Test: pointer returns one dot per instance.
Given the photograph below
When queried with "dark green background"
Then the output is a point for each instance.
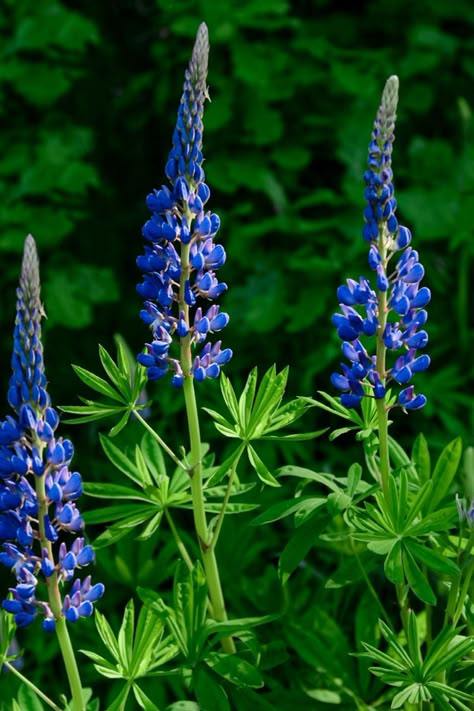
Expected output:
(88, 99)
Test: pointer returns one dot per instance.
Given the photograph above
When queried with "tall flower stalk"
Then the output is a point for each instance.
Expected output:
(180, 285)
(392, 314)
(38, 492)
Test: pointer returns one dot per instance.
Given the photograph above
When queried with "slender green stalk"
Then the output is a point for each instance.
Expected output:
(383, 418)
(55, 601)
(32, 686)
(161, 442)
(200, 523)
(179, 541)
(383, 447)
(195, 466)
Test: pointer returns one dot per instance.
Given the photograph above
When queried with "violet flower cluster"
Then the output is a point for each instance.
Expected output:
(38, 490)
(181, 258)
(393, 314)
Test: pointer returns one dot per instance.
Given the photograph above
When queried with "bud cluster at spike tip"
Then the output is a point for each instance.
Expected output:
(405, 299)
(180, 218)
(30, 449)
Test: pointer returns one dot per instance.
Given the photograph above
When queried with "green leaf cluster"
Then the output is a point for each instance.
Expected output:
(417, 679)
(256, 415)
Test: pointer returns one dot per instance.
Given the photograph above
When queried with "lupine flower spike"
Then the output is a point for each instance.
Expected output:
(392, 314)
(181, 258)
(38, 491)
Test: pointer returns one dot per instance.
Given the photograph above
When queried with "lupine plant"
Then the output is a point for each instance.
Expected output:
(408, 514)
(398, 529)
(40, 524)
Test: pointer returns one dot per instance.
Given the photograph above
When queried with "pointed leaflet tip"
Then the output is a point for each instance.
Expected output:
(200, 57)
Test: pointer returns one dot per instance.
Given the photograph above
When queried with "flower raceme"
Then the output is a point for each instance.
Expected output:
(393, 314)
(38, 490)
(181, 257)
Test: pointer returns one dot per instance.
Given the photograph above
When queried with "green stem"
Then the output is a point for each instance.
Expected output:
(161, 442)
(384, 462)
(195, 466)
(200, 523)
(32, 686)
(179, 541)
(70, 663)
(55, 601)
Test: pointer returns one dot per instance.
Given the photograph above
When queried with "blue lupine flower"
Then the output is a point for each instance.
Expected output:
(394, 312)
(30, 451)
(174, 279)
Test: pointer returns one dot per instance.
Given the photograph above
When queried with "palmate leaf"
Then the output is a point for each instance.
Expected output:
(126, 387)
(137, 650)
(401, 529)
(255, 415)
(416, 679)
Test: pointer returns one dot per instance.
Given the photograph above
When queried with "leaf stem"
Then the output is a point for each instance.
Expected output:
(160, 441)
(179, 541)
(32, 686)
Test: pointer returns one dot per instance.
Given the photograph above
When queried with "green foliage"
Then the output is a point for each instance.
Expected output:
(256, 415)
(416, 678)
(88, 99)
(138, 650)
(401, 528)
(155, 492)
(127, 385)
(195, 635)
